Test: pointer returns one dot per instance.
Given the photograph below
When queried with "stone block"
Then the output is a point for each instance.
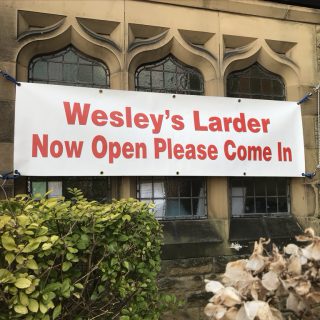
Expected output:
(7, 121)
(184, 284)
(198, 298)
(183, 314)
(6, 157)
(184, 267)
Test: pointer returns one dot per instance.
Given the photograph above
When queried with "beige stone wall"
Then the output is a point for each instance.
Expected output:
(217, 37)
(207, 35)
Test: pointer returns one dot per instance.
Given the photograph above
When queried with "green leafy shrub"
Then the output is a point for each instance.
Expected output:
(79, 260)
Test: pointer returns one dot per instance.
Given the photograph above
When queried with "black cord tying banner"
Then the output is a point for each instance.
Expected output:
(10, 175)
(9, 78)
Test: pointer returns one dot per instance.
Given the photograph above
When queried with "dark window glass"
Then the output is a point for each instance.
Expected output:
(255, 82)
(93, 188)
(174, 197)
(169, 75)
(250, 196)
(70, 67)
(183, 197)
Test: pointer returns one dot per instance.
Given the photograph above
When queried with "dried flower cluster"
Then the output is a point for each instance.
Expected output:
(270, 286)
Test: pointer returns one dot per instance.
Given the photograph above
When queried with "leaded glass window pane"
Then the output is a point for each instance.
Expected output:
(69, 67)
(169, 75)
(93, 188)
(251, 196)
(183, 197)
(255, 82)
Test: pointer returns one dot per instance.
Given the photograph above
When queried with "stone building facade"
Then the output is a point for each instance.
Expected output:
(252, 49)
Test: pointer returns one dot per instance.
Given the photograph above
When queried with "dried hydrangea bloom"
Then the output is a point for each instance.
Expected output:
(268, 285)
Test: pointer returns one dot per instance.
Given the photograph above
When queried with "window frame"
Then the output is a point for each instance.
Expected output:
(265, 196)
(63, 180)
(92, 62)
(184, 70)
(178, 198)
(252, 95)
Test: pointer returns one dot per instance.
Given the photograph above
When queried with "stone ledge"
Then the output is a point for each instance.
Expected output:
(189, 239)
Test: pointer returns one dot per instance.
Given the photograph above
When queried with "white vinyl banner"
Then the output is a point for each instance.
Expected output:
(73, 131)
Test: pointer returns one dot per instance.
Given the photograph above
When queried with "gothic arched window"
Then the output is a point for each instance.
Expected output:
(174, 197)
(255, 195)
(69, 67)
(73, 68)
(169, 75)
(255, 82)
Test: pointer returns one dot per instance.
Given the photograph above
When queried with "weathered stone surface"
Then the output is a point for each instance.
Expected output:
(6, 157)
(6, 191)
(198, 298)
(185, 314)
(185, 279)
(185, 284)
(7, 121)
(194, 231)
(183, 267)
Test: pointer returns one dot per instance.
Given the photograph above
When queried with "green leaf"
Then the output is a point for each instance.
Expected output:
(66, 288)
(6, 276)
(4, 220)
(23, 220)
(69, 256)
(124, 318)
(18, 308)
(83, 243)
(43, 230)
(20, 259)
(24, 300)
(52, 287)
(46, 246)
(66, 266)
(31, 246)
(54, 238)
(32, 264)
(33, 305)
(43, 308)
(126, 217)
(22, 283)
(79, 285)
(8, 243)
(123, 238)
(9, 257)
(72, 250)
(126, 264)
(56, 312)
